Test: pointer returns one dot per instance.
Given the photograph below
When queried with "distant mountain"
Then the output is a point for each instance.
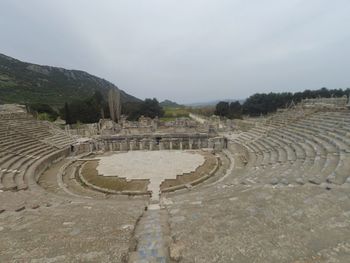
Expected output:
(22, 82)
(169, 103)
(212, 103)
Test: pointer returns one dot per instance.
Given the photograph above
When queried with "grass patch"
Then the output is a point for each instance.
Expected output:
(89, 172)
(170, 112)
(204, 169)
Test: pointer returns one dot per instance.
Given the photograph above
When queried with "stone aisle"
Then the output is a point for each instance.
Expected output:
(152, 235)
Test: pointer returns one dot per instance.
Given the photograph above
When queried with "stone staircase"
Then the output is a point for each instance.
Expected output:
(152, 236)
(23, 141)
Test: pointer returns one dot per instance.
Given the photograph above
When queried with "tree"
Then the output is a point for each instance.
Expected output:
(86, 111)
(231, 110)
(262, 103)
(235, 110)
(132, 110)
(222, 109)
(114, 104)
(48, 113)
(148, 108)
(151, 108)
(67, 114)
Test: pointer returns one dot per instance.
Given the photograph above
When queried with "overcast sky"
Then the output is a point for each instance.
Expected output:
(186, 50)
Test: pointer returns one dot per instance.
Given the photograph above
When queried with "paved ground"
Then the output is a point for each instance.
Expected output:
(69, 231)
(154, 165)
(261, 223)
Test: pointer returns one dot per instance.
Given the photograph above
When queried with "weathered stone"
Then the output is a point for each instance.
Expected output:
(300, 181)
(284, 181)
(34, 206)
(20, 208)
(68, 223)
(188, 186)
(315, 180)
(331, 178)
(274, 181)
(176, 251)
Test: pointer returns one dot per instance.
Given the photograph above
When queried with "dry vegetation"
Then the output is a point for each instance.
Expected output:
(204, 169)
(89, 172)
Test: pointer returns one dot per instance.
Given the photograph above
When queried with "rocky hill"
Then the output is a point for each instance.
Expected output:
(22, 82)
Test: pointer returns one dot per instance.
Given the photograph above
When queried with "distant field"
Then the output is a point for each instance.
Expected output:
(171, 113)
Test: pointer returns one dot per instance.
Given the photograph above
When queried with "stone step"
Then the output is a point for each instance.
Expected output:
(151, 235)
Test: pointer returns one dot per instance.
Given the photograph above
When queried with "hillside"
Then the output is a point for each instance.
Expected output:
(169, 103)
(22, 82)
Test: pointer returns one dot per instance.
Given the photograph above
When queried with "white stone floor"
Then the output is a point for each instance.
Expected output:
(154, 165)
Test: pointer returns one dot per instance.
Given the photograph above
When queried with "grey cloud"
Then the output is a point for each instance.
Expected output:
(186, 50)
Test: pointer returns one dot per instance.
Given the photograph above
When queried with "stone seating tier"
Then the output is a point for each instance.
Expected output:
(23, 142)
(314, 148)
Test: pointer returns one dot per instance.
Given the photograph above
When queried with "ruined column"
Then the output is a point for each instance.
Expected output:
(142, 144)
(124, 145)
(91, 147)
(132, 145)
(161, 145)
(170, 144)
(210, 143)
(199, 143)
(151, 145)
(218, 145)
(190, 143)
(181, 145)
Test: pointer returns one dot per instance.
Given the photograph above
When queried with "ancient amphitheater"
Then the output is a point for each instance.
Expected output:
(268, 189)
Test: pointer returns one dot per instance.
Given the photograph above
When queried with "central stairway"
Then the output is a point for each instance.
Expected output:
(152, 236)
